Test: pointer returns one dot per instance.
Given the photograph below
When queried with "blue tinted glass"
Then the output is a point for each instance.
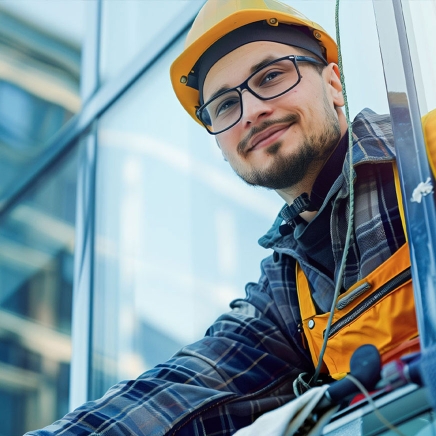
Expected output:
(176, 231)
(39, 83)
(119, 48)
(36, 276)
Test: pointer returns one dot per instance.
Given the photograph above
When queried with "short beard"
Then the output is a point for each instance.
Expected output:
(288, 170)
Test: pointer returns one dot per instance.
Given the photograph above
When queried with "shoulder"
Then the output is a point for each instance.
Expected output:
(372, 138)
(430, 118)
(367, 122)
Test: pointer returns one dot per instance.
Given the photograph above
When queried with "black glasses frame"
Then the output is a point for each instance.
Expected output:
(244, 85)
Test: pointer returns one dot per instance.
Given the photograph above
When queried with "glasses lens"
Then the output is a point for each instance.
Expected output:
(221, 112)
(274, 79)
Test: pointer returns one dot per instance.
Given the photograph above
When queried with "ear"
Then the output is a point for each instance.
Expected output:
(334, 84)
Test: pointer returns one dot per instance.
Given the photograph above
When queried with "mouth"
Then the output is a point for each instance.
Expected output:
(267, 137)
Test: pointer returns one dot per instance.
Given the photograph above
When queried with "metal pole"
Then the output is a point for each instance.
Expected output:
(412, 160)
(81, 331)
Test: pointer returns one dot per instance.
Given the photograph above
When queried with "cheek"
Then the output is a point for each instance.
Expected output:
(290, 99)
(296, 101)
(227, 141)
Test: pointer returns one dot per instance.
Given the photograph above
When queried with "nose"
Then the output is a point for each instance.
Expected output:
(254, 109)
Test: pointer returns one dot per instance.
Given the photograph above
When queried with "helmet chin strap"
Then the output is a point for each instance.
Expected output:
(301, 204)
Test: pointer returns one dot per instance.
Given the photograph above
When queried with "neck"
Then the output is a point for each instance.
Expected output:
(291, 193)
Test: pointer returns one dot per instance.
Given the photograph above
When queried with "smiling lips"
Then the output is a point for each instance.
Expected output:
(267, 136)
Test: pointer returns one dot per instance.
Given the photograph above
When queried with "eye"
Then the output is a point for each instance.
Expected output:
(270, 76)
(226, 105)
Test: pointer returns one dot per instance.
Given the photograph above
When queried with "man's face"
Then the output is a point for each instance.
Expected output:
(278, 142)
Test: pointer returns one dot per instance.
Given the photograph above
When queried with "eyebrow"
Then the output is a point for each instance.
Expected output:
(253, 69)
(262, 63)
(219, 91)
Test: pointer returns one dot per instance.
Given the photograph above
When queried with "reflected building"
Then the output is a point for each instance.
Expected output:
(123, 233)
(39, 95)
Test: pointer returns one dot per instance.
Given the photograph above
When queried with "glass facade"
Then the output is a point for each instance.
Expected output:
(37, 240)
(124, 233)
(173, 224)
(40, 66)
(39, 90)
(419, 17)
(141, 21)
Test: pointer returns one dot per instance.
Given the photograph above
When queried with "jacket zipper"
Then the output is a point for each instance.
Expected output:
(373, 299)
(345, 301)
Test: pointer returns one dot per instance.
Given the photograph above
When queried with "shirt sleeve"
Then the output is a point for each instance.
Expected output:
(243, 367)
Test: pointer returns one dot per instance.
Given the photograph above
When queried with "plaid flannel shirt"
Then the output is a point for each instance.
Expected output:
(246, 363)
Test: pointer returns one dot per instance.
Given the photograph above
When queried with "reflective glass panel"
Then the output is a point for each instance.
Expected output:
(420, 17)
(40, 54)
(130, 25)
(36, 275)
(176, 231)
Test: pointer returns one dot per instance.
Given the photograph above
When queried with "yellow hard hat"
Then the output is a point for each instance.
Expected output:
(216, 19)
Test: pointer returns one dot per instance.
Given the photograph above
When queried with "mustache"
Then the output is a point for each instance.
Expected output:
(243, 144)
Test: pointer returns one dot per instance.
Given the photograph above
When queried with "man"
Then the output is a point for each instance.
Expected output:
(263, 79)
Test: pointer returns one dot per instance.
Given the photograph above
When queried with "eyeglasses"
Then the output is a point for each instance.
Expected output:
(274, 79)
